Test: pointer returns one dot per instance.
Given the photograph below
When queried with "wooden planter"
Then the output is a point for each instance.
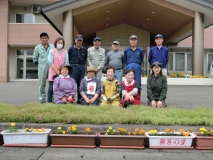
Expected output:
(68, 140)
(26, 139)
(203, 142)
(170, 142)
(121, 141)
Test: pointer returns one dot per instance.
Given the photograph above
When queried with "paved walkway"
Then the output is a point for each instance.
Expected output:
(178, 96)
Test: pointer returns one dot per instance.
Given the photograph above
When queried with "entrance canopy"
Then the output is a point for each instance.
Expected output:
(172, 18)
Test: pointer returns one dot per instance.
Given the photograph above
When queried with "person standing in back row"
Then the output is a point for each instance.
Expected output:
(159, 53)
(115, 58)
(40, 54)
(96, 57)
(133, 58)
(77, 58)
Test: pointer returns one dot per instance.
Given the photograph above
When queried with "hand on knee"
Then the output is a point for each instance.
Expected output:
(159, 104)
(64, 100)
(154, 104)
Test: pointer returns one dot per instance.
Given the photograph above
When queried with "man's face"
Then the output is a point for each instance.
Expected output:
(159, 41)
(97, 44)
(110, 74)
(115, 46)
(44, 40)
(133, 42)
(78, 42)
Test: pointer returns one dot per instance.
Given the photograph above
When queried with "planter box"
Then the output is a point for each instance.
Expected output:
(203, 142)
(121, 141)
(178, 142)
(26, 139)
(68, 140)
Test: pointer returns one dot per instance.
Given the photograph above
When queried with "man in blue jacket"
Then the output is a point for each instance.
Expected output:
(133, 58)
(159, 53)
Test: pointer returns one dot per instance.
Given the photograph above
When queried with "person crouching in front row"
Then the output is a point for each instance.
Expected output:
(64, 87)
(156, 86)
(110, 89)
(90, 88)
(129, 89)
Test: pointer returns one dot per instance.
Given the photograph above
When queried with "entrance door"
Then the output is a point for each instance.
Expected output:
(25, 66)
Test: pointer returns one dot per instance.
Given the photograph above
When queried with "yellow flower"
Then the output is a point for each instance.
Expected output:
(155, 131)
(134, 133)
(114, 130)
(59, 128)
(32, 128)
(110, 128)
(42, 129)
(202, 132)
(13, 124)
(37, 130)
(26, 129)
(211, 131)
(136, 129)
(69, 128)
(63, 132)
(128, 133)
(88, 129)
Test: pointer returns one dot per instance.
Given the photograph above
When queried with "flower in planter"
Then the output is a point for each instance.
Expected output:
(88, 130)
(12, 127)
(60, 131)
(203, 131)
(184, 133)
(139, 132)
(153, 132)
(28, 130)
(168, 132)
(211, 132)
(73, 129)
(123, 131)
(40, 130)
(110, 131)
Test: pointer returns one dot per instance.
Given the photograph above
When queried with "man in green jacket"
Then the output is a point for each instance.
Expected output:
(96, 57)
(40, 58)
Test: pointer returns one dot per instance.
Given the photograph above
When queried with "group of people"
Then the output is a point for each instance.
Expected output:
(66, 70)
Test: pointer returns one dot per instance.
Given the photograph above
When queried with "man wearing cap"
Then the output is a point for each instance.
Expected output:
(40, 54)
(159, 53)
(90, 88)
(115, 59)
(96, 57)
(133, 58)
(77, 59)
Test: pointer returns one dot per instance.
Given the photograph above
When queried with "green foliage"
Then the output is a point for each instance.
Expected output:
(74, 114)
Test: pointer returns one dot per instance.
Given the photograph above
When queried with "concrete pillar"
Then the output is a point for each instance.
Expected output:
(198, 44)
(68, 29)
(4, 54)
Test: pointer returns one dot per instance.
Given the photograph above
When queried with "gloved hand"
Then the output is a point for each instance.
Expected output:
(105, 99)
(36, 63)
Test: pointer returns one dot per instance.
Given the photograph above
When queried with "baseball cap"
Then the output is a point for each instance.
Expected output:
(44, 34)
(79, 37)
(133, 37)
(116, 42)
(96, 39)
(156, 64)
(159, 36)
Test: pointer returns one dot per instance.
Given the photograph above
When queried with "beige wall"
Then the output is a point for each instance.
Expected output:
(24, 9)
(122, 33)
(4, 11)
(28, 34)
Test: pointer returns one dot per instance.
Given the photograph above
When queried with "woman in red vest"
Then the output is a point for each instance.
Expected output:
(129, 88)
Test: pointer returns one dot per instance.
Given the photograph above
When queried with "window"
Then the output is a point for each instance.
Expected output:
(189, 62)
(170, 62)
(179, 61)
(25, 18)
(210, 60)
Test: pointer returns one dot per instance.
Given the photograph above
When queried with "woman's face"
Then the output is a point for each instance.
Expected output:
(90, 74)
(64, 71)
(156, 69)
(110, 74)
(129, 76)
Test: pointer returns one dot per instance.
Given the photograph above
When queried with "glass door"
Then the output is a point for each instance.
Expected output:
(20, 68)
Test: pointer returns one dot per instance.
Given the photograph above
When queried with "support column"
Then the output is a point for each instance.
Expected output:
(68, 29)
(198, 44)
(4, 54)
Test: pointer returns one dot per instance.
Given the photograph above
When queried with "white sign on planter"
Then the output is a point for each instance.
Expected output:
(22, 137)
(170, 141)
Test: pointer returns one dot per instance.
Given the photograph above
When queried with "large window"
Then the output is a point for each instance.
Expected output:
(210, 60)
(170, 62)
(179, 61)
(25, 18)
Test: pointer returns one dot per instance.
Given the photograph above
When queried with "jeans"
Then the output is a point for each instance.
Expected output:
(78, 74)
(50, 92)
(119, 74)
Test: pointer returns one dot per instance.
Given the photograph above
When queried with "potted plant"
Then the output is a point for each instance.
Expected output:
(122, 138)
(25, 137)
(170, 139)
(203, 139)
(72, 138)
